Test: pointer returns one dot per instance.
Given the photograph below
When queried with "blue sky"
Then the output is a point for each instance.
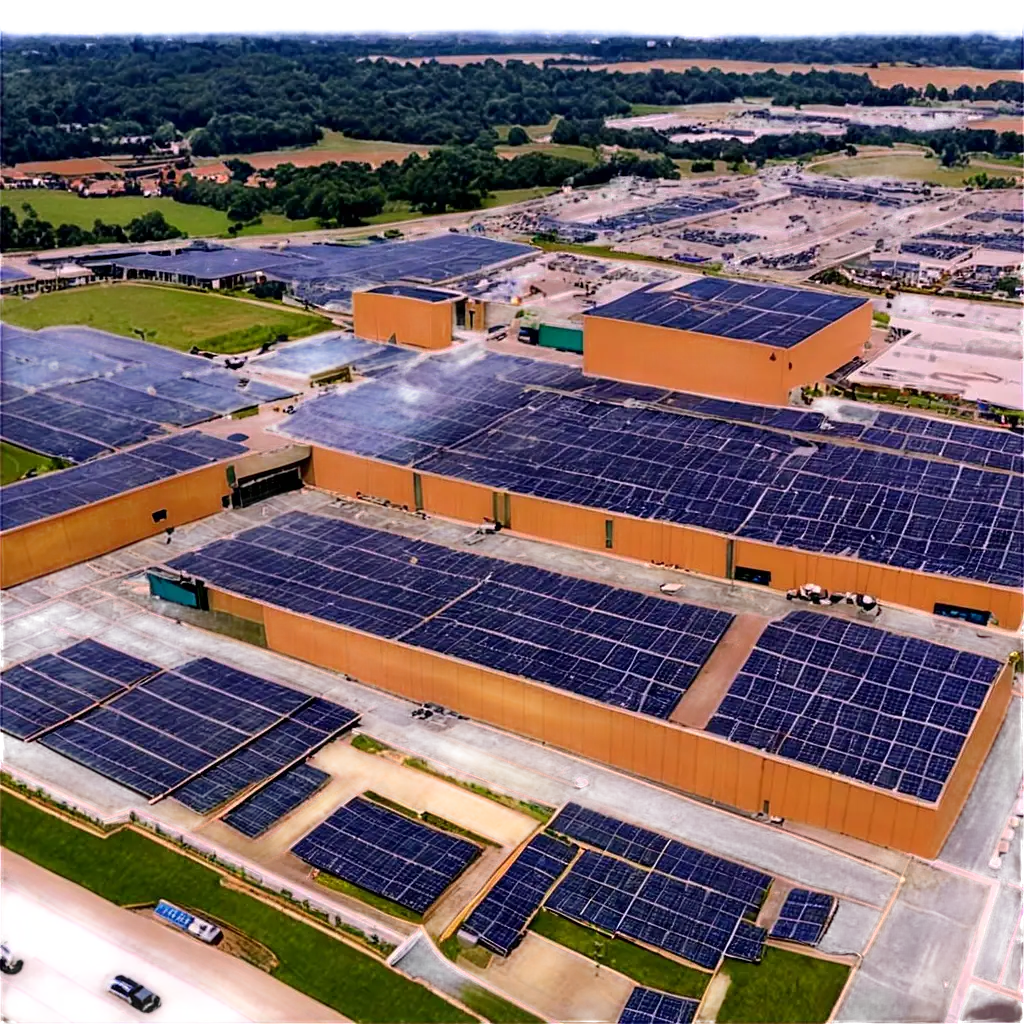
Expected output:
(661, 17)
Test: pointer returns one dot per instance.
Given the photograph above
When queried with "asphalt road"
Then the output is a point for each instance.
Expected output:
(73, 942)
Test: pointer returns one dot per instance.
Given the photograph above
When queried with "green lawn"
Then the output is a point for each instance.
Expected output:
(66, 208)
(507, 196)
(641, 965)
(369, 898)
(784, 988)
(15, 462)
(131, 868)
(535, 131)
(906, 165)
(581, 153)
(176, 317)
(492, 1007)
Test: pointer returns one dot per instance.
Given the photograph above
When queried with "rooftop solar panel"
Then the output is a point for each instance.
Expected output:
(482, 421)
(889, 711)
(778, 316)
(31, 500)
(618, 647)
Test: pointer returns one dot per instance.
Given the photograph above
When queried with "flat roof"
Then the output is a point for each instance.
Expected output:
(408, 291)
(28, 501)
(588, 638)
(599, 444)
(766, 314)
(204, 265)
(333, 351)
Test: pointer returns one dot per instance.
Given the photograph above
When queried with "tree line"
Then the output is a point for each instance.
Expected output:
(30, 231)
(72, 98)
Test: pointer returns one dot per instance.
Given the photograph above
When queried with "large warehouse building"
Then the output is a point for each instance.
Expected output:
(815, 718)
(716, 337)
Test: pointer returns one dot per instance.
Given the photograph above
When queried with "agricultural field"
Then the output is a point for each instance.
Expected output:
(175, 317)
(334, 147)
(906, 165)
(59, 207)
(15, 462)
(885, 77)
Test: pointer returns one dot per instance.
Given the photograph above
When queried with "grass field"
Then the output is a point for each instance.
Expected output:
(175, 317)
(15, 462)
(784, 988)
(535, 131)
(60, 207)
(334, 147)
(131, 868)
(906, 165)
(580, 153)
(641, 965)
(371, 899)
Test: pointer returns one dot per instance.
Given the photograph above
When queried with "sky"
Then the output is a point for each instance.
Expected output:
(693, 18)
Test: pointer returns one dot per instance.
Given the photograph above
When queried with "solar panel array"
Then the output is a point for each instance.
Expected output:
(333, 351)
(647, 1006)
(804, 916)
(387, 854)
(81, 393)
(747, 943)
(153, 730)
(328, 274)
(934, 250)
(767, 314)
(293, 739)
(688, 920)
(261, 811)
(677, 208)
(669, 856)
(851, 192)
(484, 420)
(890, 711)
(1005, 241)
(615, 646)
(53, 493)
(54, 688)
(500, 919)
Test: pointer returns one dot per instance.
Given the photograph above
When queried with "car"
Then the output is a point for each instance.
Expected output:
(10, 962)
(134, 994)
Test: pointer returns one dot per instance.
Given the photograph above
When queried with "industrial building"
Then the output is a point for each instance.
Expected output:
(724, 338)
(413, 315)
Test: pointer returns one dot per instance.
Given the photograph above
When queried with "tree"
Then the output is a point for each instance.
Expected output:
(1009, 284)
(517, 136)
(240, 170)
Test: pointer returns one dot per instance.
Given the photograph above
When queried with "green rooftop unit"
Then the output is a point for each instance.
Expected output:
(564, 339)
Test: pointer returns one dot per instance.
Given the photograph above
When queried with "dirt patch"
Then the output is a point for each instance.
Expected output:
(713, 998)
(559, 983)
(232, 942)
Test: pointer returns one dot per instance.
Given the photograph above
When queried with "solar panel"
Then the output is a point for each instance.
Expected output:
(483, 422)
(747, 943)
(387, 854)
(887, 710)
(776, 316)
(153, 730)
(804, 916)
(75, 392)
(619, 647)
(647, 1006)
(53, 493)
(500, 919)
(279, 797)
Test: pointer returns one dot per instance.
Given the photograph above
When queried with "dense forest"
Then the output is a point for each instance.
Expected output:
(65, 98)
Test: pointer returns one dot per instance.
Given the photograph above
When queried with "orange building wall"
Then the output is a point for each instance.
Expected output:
(411, 321)
(709, 365)
(665, 752)
(688, 547)
(83, 533)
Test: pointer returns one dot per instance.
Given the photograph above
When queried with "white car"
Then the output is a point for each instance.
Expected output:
(10, 962)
